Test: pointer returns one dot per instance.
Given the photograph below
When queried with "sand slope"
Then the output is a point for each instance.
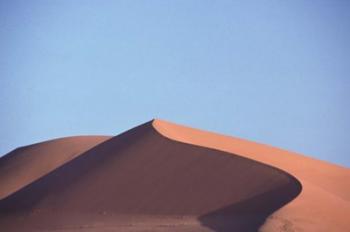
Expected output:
(141, 180)
(26, 164)
(324, 203)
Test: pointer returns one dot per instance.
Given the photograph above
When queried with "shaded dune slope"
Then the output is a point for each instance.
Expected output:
(142, 173)
(24, 165)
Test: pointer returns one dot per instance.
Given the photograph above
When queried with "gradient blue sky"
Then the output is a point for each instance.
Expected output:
(275, 72)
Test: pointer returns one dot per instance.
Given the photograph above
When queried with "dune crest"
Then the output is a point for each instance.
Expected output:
(324, 203)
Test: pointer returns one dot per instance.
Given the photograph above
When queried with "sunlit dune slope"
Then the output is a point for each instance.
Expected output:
(142, 179)
(324, 203)
(26, 164)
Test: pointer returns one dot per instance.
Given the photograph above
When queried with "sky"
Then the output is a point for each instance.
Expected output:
(275, 72)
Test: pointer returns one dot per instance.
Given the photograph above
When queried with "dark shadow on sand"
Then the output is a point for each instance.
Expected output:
(250, 214)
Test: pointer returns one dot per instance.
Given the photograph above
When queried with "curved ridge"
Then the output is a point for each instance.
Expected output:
(160, 126)
(141, 175)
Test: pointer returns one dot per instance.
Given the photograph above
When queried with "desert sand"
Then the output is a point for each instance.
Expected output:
(26, 164)
(160, 176)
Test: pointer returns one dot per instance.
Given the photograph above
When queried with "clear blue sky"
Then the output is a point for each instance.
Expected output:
(275, 72)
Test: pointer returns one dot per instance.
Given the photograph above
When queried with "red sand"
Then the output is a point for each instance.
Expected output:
(26, 164)
(164, 177)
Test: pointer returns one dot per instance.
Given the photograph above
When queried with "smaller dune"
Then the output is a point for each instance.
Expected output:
(24, 165)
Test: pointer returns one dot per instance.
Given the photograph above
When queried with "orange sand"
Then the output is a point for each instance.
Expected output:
(26, 164)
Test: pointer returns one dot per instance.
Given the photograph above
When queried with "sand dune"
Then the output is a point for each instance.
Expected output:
(26, 164)
(143, 178)
(164, 177)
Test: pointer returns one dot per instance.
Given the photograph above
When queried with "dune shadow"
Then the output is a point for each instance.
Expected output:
(250, 214)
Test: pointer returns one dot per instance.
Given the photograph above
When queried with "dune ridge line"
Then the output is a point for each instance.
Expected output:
(325, 194)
